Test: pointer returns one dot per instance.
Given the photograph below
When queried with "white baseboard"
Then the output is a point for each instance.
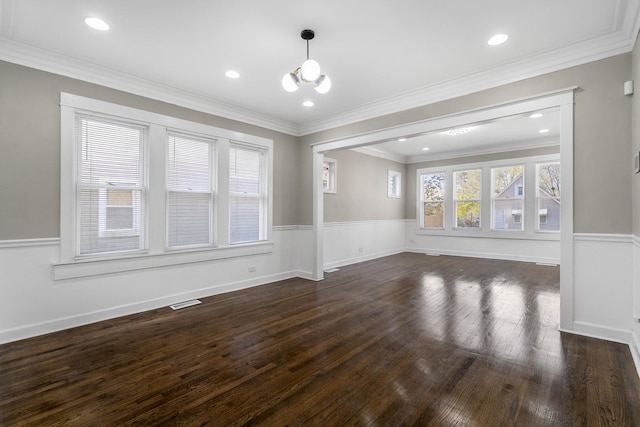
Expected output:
(600, 332)
(362, 258)
(32, 330)
(486, 255)
(634, 346)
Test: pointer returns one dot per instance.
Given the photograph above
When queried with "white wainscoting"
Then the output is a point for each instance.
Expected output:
(603, 286)
(543, 251)
(356, 241)
(32, 303)
(635, 331)
(606, 287)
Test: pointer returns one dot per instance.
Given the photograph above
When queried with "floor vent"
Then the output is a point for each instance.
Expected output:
(185, 304)
(331, 270)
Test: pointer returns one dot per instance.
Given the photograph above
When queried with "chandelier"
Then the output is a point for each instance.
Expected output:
(309, 72)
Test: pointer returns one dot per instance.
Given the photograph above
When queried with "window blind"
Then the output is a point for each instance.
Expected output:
(246, 195)
(190, 192)
(110, 186)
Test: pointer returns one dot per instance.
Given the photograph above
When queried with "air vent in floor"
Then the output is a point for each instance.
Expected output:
(184, 304)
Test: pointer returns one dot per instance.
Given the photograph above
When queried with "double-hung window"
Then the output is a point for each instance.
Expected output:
(548, 196)
(507, 194)
(247, 194)
(157, 190)
(190, 191)
(467, 198)
(433, 198)
(111, 187)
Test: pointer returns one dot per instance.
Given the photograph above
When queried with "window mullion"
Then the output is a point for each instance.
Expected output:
(530, 195)
(222, 217)
(157, 182)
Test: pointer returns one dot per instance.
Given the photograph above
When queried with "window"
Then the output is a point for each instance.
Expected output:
(140, 183)
(247, 200)
(507, 193)
(433, 194)
(190, 197)
(467, 198)
(111, 190)
(548, 196)
(394, 184)
(329, 175)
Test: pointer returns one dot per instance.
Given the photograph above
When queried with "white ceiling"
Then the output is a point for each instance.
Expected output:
(382, 56)
(506, 134)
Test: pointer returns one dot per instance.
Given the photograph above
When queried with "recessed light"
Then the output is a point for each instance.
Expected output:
(535, 115)
(459, 131)
(232, 74)
(498, 39)
(308, 103)
(543, 130)
(97, 24)
(425, 149)
(402, 139)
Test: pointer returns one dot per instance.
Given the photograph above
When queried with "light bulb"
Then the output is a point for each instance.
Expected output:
(323, 84)
(310, 70)
(290, 82)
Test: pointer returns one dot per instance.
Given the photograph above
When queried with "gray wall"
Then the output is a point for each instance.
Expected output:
(602, 124)
(362, 189)
(635, 148)
(30, 149)
(30, 124)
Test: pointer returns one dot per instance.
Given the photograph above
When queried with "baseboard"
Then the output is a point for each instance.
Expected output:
(600, 332)
(486, 255)
(362, 258)
(32, 330)
(634, 347)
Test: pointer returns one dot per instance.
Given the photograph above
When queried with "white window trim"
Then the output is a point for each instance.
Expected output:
(528, 233)
(71, 266)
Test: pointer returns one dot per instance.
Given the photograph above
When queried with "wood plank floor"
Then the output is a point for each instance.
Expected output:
(404, 340)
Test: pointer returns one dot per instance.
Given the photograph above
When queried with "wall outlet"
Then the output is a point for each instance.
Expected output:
(360, 250)
(412, 241)
(252, 268)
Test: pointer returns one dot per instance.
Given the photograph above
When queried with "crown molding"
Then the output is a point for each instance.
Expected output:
(372, 151)
(41, 59)
(569, 56)
(515, 146)
(620, 39)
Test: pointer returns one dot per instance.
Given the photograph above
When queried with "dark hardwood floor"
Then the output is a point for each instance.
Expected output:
(404, 340)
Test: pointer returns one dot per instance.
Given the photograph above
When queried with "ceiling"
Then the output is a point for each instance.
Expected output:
(381, 56)
(531, 130)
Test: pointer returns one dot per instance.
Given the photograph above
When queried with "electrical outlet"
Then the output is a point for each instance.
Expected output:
(252, 268)
(412, 241)
(360, 250)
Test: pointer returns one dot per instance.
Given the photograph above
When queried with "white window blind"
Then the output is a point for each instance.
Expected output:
(190, 196)
(111, 193)
(247, 195)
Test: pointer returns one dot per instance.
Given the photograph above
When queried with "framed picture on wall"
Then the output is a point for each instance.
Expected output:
(394, 183)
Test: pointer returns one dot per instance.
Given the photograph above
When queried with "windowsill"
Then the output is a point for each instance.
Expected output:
(492, 234)
(96, 267)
